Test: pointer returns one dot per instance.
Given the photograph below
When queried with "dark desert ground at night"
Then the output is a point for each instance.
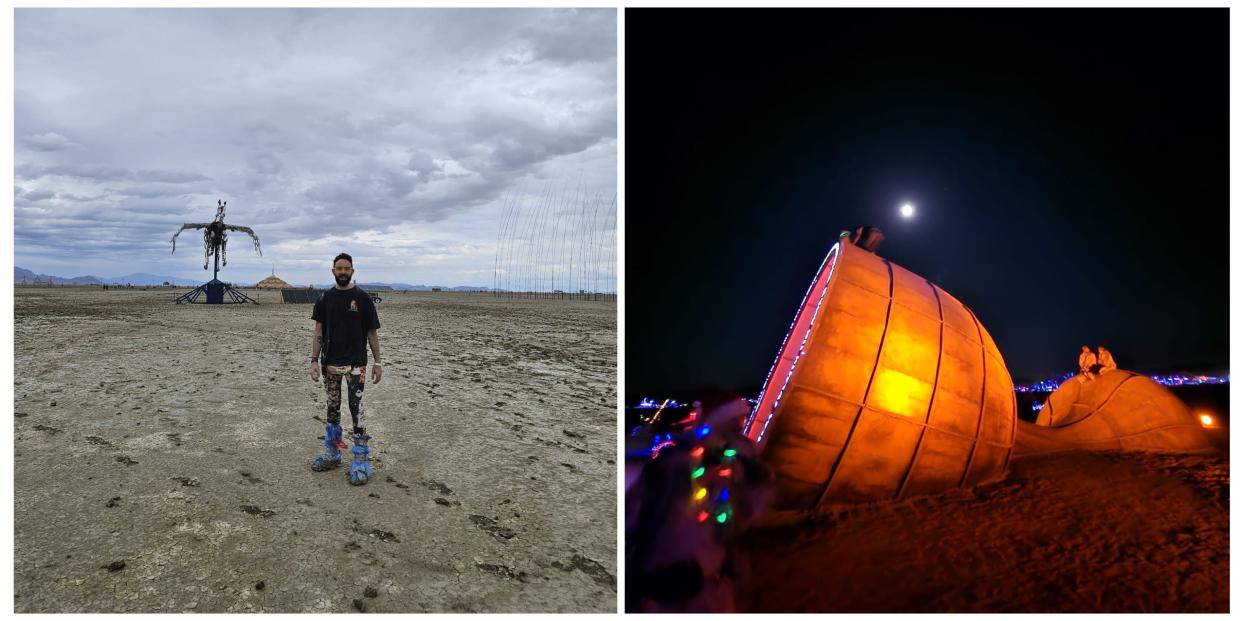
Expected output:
(176, 440)
(1073, 531)
(1076, 532)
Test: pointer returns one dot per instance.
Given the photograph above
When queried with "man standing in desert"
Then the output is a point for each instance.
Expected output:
(345, 321)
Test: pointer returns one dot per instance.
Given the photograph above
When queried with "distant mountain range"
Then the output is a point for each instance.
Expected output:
(25, 276)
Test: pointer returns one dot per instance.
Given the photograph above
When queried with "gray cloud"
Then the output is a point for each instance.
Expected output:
(104, 173)
(399, 133)
(154, 190)
(39, 195)
(50, 141)
(423, 164)
(572, 36)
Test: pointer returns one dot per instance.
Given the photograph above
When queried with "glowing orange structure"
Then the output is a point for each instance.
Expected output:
(886, 386)
(1119, 410)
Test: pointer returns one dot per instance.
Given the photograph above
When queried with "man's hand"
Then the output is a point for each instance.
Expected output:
(314, 372)
(376, 373)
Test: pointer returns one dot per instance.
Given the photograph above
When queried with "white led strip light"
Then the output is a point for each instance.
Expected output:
(801, 346)
(780, 350)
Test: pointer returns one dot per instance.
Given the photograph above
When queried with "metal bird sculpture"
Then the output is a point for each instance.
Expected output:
(216, 238)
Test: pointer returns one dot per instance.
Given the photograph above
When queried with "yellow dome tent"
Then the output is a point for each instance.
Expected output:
(272, 282)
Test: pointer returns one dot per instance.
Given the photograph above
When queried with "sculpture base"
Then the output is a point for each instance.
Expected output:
(215, 292)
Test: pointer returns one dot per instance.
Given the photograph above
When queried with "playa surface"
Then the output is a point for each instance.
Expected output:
(162, 458)
(1074, 532)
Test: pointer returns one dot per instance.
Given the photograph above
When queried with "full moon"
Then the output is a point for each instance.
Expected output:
(907, 210)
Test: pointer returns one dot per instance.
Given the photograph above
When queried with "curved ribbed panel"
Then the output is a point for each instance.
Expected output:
(897, 391)
(1119, 410)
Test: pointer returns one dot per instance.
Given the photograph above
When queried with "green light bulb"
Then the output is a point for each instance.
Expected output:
(698, 472)
(722, 517)
(730, 452)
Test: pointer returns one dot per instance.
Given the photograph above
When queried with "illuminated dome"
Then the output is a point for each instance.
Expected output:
(1119, 410)
(886, 386)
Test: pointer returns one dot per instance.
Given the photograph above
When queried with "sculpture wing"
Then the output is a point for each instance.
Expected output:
(247, 230)
(192, 225)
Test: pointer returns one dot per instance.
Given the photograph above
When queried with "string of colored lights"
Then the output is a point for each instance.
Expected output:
(702, 478)
(711, 474)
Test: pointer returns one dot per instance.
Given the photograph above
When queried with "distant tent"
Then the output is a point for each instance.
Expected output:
(272, 282)
(300, 296)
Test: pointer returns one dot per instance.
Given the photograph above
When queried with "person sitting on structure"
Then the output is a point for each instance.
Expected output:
(868, 238)
(1106, 361)
(1086, 360)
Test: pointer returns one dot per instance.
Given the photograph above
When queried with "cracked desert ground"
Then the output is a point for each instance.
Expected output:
(162, 458)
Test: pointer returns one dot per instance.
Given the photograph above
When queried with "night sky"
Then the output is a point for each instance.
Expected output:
(1069, 167)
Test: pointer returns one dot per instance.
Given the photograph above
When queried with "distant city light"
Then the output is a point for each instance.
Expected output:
(1176, 379)
(907, 210)
(647, 404)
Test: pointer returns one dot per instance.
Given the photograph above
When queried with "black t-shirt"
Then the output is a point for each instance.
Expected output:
(347, 317)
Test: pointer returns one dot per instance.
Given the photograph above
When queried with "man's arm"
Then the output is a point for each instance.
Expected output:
(373, 339)
(316, 341)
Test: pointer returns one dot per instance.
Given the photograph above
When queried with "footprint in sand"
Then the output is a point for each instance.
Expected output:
(490, 526)
(436, 486)
(98, 441)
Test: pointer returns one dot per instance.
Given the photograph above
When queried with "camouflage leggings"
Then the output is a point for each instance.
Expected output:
(355, 378)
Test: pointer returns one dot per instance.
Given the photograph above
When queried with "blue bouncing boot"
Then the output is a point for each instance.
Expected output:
(332, 445)
(360, 467)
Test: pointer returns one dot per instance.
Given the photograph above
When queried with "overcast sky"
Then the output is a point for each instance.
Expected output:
(398, 136)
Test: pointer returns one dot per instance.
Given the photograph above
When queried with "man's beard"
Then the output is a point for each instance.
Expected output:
(343, 280)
